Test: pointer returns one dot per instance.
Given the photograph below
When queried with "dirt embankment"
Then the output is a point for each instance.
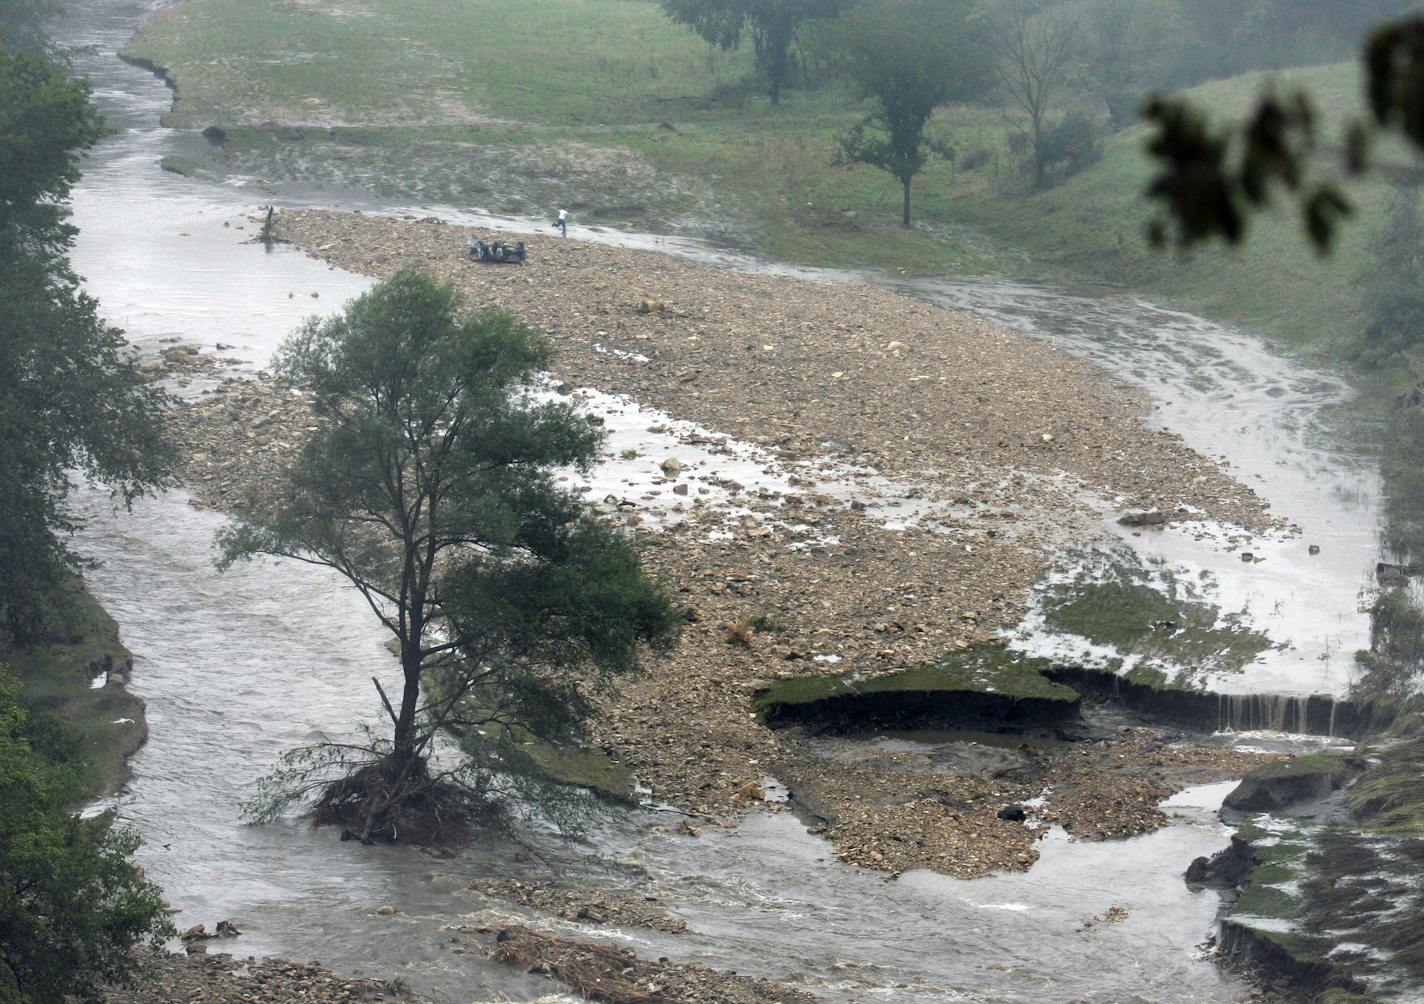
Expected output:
(1014, 443)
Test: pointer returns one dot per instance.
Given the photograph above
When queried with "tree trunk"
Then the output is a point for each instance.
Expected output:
(397, 767)
(410, 698)
(905, 214)
(1038, 172)
(778, 41)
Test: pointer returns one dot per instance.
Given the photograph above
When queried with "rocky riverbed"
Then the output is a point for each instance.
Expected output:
(223, 979)
(811, 368)
(582, 903)
(616, 975)
(1004, 447)
(593, 971)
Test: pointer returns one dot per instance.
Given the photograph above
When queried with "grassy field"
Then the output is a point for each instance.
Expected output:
(604, 107)
(55, 687)
(600, 106)
(1276, 283)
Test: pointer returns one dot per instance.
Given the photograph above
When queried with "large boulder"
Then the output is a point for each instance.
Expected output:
(1226, 869)
(1278, 786)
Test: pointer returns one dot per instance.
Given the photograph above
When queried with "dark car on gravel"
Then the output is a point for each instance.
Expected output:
(496, 251)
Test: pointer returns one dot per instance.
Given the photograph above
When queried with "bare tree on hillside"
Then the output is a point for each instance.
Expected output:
(1035, 50)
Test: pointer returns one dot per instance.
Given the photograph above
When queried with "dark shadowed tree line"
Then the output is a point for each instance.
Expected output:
(71, 396)
(73, 905)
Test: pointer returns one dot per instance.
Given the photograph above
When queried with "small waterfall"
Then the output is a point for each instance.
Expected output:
(1272, 713)
(1334, 705)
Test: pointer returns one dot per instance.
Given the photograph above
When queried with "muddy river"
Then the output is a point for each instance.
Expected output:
(237, 667)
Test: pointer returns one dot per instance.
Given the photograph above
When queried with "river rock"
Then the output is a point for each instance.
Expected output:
(615, 973)
(579, 902)
(1151, 517)
(221, 979)
(1279, 786)
(1226, 869)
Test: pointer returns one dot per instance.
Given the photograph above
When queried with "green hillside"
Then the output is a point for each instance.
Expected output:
(606, 108)
(1095, 223)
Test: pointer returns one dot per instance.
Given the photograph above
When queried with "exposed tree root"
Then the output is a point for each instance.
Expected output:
(396, 799)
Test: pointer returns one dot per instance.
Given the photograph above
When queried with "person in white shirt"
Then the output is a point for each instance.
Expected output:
(563, 222)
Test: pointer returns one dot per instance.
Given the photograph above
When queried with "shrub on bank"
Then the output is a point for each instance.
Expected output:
(73, 904)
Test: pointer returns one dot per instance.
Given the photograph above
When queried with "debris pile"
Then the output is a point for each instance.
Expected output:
(583, 903)
(615, 975)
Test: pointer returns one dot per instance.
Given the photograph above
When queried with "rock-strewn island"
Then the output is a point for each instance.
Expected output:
(983, 451)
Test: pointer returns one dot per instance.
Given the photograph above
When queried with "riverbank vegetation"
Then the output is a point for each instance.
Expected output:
(73, 904)
(431, 485)
(71, 395)
(72, 688)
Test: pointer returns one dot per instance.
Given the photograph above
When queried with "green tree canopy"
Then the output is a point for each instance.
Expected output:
(71, 397)
(72, 903)
(771, 24)
(46, 123)
(431, 486)
(908, 57)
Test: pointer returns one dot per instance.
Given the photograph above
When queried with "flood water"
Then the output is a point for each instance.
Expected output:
(237, 667)
(1283, 430)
